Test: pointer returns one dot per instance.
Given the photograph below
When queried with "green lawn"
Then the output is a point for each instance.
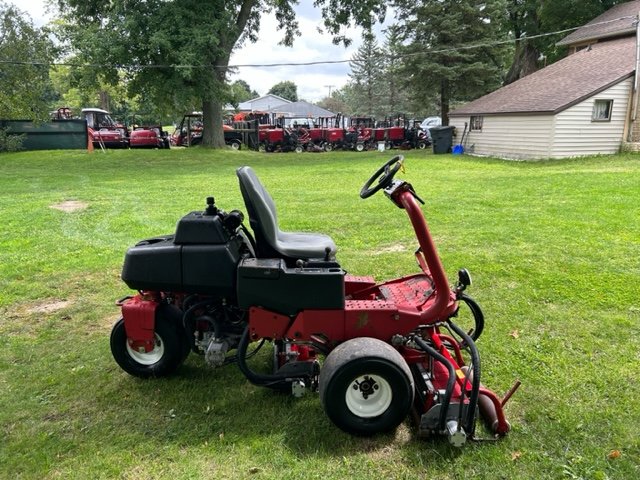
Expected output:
(553, 248)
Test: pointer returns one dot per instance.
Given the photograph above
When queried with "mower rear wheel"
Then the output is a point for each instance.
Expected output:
(167, 354)
(366, 387)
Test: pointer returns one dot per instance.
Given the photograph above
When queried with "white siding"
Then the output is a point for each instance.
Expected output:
(570, 133)
(508, 136)
(576, 134)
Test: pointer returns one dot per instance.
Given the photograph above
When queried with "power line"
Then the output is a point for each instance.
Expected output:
(140, 66)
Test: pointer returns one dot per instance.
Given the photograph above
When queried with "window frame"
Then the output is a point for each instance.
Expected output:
(475, 123)
(596, 102)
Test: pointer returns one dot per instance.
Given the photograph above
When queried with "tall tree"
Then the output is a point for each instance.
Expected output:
(448, 46)
(286, 89)
(528, 18)
(179, 50)
(366, 77)
(524, 22)
(240, 91)
(25, 88)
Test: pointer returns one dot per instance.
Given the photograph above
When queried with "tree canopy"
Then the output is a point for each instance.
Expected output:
(286, 89)
(25, 87)
(179, 50)
(437, 56)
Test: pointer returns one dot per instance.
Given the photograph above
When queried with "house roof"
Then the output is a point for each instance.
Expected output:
(302, 108)
(561, 84)
(263, 102)
(618, 20)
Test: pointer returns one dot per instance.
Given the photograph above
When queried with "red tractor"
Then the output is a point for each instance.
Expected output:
(103, 130)
(189, 133)
(149, 137)
(279, 139)
(390, 348)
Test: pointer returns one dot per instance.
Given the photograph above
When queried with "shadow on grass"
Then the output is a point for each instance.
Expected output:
(220, 408)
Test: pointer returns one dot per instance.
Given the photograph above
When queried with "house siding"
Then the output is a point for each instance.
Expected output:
(509, 136)
(570, 133)
(576, 134)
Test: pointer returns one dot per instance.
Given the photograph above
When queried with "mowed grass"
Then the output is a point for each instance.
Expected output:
(553, 248)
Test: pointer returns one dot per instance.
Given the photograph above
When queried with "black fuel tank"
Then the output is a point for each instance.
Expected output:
(202, 257)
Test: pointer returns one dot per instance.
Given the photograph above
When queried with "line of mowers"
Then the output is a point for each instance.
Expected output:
(353, 133)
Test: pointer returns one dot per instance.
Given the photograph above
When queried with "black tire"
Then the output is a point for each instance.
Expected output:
(235, 145)
(366, 387)
(164, 359)
(328, 147)
(360, 147)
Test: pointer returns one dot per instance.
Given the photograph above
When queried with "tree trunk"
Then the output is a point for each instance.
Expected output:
(212, 135)
(525, 62)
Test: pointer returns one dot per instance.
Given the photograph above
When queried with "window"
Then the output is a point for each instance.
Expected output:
(476, 123)
(601, 111)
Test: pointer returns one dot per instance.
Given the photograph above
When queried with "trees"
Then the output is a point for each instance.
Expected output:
(528, 18)
(366, 77)
(179, 50)
(25, 87)
(286, 89)
(438, 34)
(240, 91)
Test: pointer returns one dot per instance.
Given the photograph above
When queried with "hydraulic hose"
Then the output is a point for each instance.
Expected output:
(259, 379)
(475, 382)
(446, 400)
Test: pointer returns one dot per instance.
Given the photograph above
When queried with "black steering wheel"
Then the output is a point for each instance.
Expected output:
(386, 179)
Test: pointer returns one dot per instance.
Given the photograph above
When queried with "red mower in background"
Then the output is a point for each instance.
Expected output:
(390, 348)
(104, 132)
(189, 133)
(149, 137)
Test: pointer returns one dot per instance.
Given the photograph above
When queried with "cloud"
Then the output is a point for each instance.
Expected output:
(310, 46)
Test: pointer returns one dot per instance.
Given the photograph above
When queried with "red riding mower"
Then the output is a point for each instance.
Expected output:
(390, 348)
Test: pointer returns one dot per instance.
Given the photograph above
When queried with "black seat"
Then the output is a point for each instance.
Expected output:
(271, 242)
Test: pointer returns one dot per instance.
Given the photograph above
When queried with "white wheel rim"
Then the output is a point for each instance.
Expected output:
(368, 396)
(235, 146)
(147, 358)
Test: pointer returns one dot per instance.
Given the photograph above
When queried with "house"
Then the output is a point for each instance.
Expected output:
(262, 104)
(583, 104)
(301, 109)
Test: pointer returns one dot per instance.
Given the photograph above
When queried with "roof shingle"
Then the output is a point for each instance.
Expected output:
(561, 84)
(620, 20)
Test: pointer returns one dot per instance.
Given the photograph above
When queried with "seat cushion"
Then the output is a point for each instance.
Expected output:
(305, 245)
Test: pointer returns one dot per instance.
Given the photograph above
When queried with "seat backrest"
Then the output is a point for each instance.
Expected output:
(262, 212)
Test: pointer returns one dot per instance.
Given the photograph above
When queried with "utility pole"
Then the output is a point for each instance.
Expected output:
(329, 87)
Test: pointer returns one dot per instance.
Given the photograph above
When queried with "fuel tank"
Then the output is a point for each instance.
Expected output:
(201, 257)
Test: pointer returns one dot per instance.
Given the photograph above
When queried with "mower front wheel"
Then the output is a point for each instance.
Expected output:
(166, 356)
(366, 387)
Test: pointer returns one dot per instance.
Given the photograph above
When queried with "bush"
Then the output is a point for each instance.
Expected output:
(9, 142)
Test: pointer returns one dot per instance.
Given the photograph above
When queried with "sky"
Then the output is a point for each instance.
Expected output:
(314, 82)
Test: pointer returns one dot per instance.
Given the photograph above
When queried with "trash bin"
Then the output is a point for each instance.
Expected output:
(442, 138)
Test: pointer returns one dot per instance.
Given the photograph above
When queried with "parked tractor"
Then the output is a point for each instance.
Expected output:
(189, 133)
(149, 137)
(103, 130)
